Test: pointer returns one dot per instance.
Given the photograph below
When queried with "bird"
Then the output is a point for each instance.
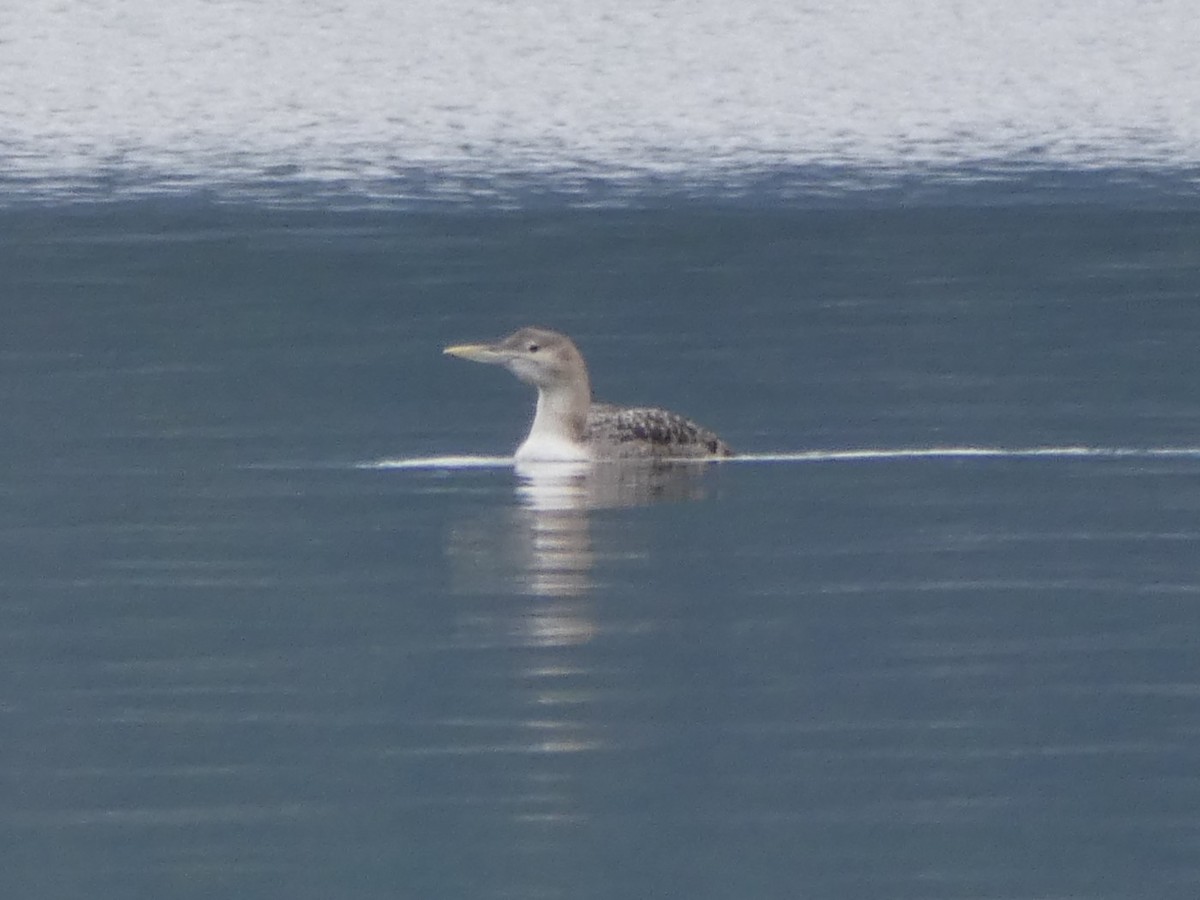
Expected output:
(568, 426)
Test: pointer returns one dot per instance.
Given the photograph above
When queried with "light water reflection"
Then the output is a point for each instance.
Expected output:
(543, 545)
(541, 549)
(613, 485)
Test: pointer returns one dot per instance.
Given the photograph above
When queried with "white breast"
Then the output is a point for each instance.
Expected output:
(551, 448)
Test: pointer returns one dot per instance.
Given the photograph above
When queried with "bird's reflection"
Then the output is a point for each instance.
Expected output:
(530, 568)
(543, 546)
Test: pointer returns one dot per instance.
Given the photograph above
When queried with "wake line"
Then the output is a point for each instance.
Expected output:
(502, 462)
(441, 462)
(970, 452)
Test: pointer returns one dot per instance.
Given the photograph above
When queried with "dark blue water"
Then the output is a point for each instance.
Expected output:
(236, 663)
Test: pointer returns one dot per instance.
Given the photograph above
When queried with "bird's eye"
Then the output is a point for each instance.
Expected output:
(533, 348)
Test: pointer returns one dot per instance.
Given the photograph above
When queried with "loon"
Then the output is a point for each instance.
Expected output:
(567, 425)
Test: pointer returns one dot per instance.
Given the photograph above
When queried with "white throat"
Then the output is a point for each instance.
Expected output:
(556, 433)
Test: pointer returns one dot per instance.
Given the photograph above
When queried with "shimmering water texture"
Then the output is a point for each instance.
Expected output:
(490, 102)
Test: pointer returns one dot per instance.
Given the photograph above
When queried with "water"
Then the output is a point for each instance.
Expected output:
(434, 99)
(242, 658)
(279, 619)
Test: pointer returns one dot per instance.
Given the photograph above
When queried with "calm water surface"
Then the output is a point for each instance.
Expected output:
(240, 658)
(239, 663)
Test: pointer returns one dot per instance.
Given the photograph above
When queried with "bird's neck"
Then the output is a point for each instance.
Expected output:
(560, 423)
